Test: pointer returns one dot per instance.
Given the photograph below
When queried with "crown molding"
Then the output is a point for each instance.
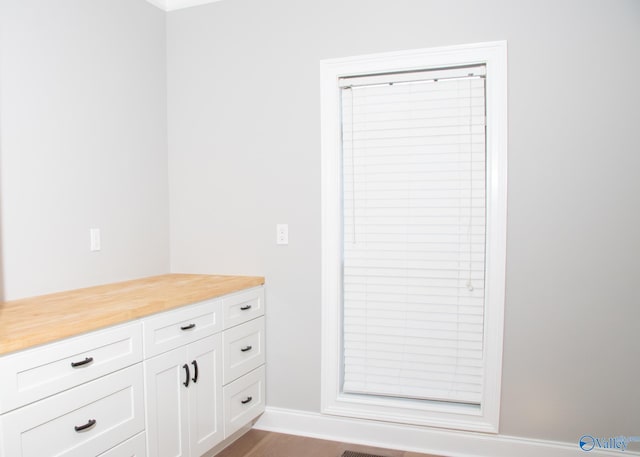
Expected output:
(171, 5)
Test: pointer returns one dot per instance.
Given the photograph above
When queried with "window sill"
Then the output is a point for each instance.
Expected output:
(455, 416)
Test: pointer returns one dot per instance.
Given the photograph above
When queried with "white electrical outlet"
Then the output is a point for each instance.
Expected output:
(94, 235)
(282, 234)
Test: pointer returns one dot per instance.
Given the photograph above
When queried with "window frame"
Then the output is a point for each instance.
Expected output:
(484, 418)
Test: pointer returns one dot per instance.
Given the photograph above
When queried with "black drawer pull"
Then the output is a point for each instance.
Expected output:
(89, 424)
(246, 400)
(82, 362)
(186, 369)
(195, 371)
(246, 348)
(188, 327)
(245, 307)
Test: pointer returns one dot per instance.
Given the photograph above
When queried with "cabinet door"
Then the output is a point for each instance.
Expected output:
(205, 394)
(166, 395)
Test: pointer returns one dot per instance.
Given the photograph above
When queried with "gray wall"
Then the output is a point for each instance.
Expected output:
(82, 142)
(244, 154)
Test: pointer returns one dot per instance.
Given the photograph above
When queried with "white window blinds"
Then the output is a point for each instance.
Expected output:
(414, 234)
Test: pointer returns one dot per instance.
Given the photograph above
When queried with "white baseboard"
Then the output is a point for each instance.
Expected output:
(442, 442)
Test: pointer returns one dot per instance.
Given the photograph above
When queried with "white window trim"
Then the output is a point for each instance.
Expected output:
(486, 417)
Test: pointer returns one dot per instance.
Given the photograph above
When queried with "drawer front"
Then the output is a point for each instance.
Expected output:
(243, 400)
(243, 307)
(134, 447)
(37, 373)
(173, 329)
(243, 349)
(84, 421)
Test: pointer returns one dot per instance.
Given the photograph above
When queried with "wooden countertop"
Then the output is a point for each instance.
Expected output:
(37, 320)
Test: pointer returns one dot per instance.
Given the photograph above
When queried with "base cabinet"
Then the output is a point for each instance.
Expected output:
(179, 383)
(85, 421)
(183, 390)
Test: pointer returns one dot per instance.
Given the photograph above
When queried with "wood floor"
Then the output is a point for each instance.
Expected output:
(258, 443)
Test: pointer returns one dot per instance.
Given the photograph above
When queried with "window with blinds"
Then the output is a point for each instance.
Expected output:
(413, 220)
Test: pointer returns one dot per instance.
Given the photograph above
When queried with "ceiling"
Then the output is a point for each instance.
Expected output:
(170, 5)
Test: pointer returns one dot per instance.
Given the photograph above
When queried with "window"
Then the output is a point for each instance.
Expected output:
(413, 232)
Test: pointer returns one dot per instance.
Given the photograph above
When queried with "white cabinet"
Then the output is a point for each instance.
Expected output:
(33, 374)
(77, 397)
(184, 399)
(84, 421)
(186, 377)
(244, 358)
(172, 384)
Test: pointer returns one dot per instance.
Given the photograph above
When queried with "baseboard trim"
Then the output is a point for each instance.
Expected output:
(447, 443)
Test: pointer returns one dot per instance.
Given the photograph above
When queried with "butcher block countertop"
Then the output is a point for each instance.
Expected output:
(38, 320)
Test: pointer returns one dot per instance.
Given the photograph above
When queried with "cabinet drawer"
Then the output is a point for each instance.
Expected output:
(243, 400)
(37, 373)
(84, 421)
(243, 349)
(173, 329)
(242, 307)
(134, 447)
